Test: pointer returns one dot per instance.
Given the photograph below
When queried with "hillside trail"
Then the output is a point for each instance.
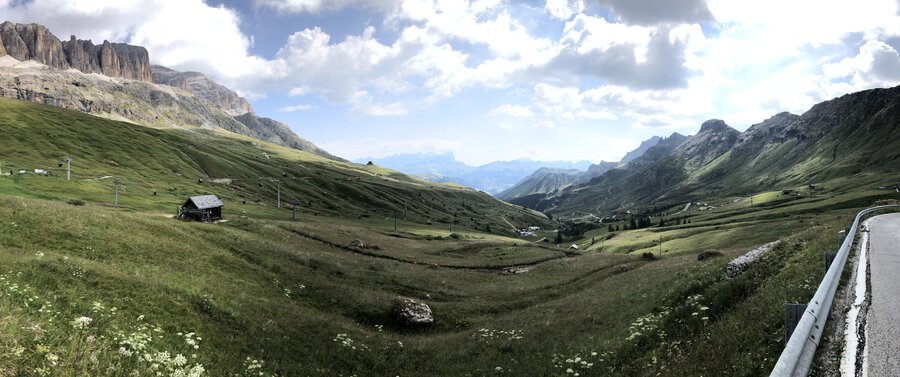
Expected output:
(513, 227)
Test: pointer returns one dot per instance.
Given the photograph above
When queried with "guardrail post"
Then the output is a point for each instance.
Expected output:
(792, 314)
(829, 257)
(841, 236)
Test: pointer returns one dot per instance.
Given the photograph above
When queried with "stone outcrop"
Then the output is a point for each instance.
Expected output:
(411, 313)
(195, 82)
(738, 265)
(35, 42)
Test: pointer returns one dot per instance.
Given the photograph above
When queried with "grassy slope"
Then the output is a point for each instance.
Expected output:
(171, 162)
(852, 141)
(283, 291)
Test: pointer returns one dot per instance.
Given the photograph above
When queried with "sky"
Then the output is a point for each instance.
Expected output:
(500, 79)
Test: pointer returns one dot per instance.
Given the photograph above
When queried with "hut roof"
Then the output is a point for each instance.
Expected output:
(206, 201)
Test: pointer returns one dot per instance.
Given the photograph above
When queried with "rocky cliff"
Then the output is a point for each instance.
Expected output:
(197, 83)
(26, 42)
(116, 80)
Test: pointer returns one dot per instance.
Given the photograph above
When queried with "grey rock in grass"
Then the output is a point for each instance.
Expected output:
(410, 312)
(738, 265)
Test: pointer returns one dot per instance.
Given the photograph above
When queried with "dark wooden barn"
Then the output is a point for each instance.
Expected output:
(201, 208)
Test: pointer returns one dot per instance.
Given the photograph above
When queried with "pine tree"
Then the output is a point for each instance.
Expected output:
(617, 227)
(559, 238)
(609, 228)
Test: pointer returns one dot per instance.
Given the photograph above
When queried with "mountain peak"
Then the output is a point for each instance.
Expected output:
(714, 125)
(646, 144)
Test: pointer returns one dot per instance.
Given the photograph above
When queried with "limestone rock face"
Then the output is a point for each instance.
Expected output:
(35, 42)
(42, 45)
(13, 42)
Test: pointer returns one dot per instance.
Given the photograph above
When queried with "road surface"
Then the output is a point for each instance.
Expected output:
(883, 318)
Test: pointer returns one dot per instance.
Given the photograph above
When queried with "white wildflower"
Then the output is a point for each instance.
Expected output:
(81, 322)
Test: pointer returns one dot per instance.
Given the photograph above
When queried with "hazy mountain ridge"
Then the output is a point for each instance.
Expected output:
(646, 144)
(548, 181)
(492, 178)
(542, 181)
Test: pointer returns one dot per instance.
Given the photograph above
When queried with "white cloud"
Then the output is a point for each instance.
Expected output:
(596, 115)
(512, 111)
(319, 6)
(564, 9)
(296, 108)
(380, 147)
(300, 91)
(876, 65)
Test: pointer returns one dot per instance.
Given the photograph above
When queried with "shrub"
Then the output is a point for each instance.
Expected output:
(75, 202)
(648, 256)
(708, 255)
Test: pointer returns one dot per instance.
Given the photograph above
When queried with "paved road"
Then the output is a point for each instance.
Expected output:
(883, 319)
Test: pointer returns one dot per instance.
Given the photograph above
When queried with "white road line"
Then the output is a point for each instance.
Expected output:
(851, 331)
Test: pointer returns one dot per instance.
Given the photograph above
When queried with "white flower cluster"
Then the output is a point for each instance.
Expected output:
(487, 335)
(81, 322)
(577, 364)
(346, 341)
(254, 367)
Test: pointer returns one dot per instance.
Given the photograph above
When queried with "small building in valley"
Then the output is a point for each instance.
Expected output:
(201, 208)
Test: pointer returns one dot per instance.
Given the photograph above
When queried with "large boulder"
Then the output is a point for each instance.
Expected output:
(410, 312)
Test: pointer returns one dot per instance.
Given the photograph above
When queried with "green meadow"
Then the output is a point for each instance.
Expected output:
(89, 289)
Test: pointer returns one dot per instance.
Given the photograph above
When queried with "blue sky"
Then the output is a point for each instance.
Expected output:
(501, 79)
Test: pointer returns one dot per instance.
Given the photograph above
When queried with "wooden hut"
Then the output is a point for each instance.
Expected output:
(201, 208)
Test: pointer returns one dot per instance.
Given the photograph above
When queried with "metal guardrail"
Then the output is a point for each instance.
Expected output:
(799, 351)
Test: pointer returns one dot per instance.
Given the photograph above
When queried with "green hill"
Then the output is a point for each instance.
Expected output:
(839, 145)
(239, 169)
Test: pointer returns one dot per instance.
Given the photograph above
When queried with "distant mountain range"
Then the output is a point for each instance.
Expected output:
(853, 140)
(547, 181)
(491, 178)
(116, 81)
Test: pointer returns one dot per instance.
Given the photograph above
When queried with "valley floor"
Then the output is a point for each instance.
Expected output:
(92, 290)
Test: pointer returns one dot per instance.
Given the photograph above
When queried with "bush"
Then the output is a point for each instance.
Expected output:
(886, 202)
(648, 256)
(76, 202)
(708, 255)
